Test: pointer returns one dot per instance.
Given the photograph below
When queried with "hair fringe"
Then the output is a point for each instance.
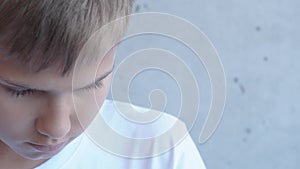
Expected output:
(43, 33)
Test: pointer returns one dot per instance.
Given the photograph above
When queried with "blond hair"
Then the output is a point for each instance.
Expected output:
(41, 33)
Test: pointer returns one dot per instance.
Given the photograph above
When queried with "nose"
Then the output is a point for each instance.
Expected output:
(54, 120)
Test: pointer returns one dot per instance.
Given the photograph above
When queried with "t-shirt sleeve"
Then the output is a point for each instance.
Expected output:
(187, 155)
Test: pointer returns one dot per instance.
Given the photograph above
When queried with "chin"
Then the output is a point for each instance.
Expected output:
(37, 156)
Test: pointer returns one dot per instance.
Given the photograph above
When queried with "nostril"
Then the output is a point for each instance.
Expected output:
(54, 127)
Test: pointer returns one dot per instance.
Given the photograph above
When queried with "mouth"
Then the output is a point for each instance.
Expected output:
(48, 148)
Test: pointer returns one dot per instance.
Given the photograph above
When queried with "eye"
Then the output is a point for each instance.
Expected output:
(97, 85)
(20, 93)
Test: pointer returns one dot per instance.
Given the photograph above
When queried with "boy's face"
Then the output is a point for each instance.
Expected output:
(37, 124)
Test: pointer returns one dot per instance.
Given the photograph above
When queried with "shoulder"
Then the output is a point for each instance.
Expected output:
(115, 141)
(134, 138)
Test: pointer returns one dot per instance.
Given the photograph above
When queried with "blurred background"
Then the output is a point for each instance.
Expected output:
(258, 43)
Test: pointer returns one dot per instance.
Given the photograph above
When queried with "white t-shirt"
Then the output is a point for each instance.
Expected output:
(86, 153)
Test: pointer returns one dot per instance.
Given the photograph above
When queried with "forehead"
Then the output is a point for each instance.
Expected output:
(51, 79)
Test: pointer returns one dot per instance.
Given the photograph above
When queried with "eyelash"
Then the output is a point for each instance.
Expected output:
(97, 85)
(22, 93)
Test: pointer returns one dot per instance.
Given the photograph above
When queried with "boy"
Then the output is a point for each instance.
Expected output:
(40, 126)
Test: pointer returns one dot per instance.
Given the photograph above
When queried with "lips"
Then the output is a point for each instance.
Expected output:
(48, 148)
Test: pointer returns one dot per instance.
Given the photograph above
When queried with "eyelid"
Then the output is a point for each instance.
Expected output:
(24, 89)
(20, 89)
(96, 85)
(10, 87)
(19, 93)
(16, 89)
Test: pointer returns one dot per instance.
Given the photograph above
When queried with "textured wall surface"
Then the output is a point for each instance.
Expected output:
(258, 43)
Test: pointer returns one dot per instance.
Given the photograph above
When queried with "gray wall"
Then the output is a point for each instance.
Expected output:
(258, 43)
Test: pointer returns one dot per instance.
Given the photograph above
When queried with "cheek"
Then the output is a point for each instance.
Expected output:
(101, 95)
(88, 106)
(16, 118)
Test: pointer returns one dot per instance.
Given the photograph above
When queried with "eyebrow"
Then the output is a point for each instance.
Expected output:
(20, 86)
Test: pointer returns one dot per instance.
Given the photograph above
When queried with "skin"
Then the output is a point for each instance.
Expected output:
(49, 115)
